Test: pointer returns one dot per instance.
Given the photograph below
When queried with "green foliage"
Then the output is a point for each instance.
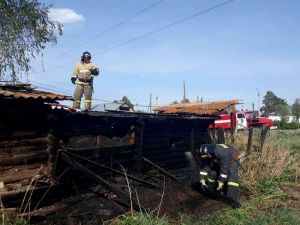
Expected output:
(270, 186)
(127, 101)
(283, 125)
(278, 217)
(249, 215)
(272, 104)
(282, 109)
(230, 217)
(296, 108)
(140, 219)
(10, 221)
(25, 30)
(294, 140)
(187, 220)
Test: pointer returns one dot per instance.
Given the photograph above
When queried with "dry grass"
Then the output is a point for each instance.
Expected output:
(274, 163)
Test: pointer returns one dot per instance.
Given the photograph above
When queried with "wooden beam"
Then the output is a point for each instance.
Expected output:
(160, 169)
(112, 170)
(106, 184)
(40, 156)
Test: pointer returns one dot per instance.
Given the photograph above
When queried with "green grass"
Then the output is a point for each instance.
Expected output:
(10, 221)
(247, 215)
(294, 137)
(139, 219)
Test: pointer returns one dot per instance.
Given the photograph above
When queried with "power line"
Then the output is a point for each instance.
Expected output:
(109, 29)
(150, 33)
(165, 27)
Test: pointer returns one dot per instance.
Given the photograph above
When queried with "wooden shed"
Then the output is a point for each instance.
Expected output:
(41, 147)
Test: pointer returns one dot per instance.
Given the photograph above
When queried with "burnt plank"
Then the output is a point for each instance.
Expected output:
(40, 156)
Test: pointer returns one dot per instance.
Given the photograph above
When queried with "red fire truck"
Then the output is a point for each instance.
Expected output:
(241, 120)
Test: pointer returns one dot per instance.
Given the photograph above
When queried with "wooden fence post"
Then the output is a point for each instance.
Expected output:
(250, 139)
(263, 136)
(221, 135)
(232, 127)
(52, 147)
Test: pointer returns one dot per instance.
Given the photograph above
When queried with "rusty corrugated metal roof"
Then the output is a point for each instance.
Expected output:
(207, 108)
(24, 91)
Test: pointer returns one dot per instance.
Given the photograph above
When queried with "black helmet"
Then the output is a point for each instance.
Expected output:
(206, 149)
(86, 54)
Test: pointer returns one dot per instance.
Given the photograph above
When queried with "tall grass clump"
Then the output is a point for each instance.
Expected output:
(264, 169)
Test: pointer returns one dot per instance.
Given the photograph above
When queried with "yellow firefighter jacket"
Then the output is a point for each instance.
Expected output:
(83, 74)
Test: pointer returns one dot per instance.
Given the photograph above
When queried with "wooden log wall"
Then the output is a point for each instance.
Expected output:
(19, 159)
(24, 147)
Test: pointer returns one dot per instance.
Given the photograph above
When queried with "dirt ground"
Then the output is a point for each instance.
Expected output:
(173, 199)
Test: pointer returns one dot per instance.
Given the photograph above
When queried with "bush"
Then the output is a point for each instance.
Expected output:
(285, 125)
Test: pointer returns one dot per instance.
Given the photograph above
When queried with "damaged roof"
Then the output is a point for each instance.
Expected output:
(202, 108)
(25, 91)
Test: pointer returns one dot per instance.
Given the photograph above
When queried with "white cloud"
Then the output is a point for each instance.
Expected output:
(65, 15)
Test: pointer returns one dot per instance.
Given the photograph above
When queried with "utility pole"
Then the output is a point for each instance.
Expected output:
(184, 97)
(258, 102)
(150, 104)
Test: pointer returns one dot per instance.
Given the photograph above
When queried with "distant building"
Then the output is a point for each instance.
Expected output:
(112, 106)
(290, 119)
(274, 116)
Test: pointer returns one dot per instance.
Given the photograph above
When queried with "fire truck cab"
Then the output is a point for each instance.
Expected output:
(240, 120)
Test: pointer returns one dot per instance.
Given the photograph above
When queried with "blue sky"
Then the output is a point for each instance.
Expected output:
(232, 52)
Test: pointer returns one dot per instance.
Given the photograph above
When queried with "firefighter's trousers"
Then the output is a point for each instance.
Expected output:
(231, 188)
(81, 89)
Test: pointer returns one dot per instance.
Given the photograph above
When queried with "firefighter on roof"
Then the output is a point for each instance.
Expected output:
(219, 169)
(83, 75)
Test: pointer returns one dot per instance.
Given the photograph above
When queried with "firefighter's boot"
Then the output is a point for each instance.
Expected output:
(88, 104)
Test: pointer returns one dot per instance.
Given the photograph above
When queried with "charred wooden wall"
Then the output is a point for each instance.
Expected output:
(24, 126)
(170, 141)
(126, 138)
(32, 135)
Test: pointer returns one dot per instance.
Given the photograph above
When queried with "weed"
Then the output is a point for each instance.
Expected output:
(140, 219)
(10, 221)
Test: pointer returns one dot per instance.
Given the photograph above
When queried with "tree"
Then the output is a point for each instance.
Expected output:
(272, 103)
(127, 101)
(185, 100)
(282, 109)
(296, 109)
(25, 29)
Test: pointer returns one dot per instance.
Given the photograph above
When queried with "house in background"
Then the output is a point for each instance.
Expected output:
(290, 119)
(274, 116)
(113, 106)
(277, 117)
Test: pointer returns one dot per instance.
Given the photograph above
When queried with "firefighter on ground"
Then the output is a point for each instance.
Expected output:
(219, 169)
(83, 75)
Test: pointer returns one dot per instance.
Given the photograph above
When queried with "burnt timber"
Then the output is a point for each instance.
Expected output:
(47, 154)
